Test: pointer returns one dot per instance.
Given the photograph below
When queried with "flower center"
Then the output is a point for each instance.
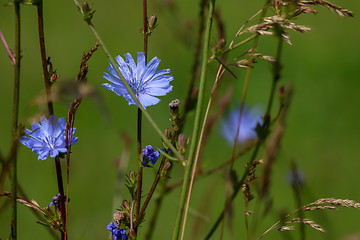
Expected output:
(49, 140)
(136, 86)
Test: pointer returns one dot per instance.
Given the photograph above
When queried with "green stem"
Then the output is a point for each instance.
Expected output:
(146, 114)
(151, 223)
(15, 119)
(150, 194)
(197, 121)
(189, 99)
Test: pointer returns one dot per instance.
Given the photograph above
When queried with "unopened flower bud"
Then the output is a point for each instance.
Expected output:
(174, 107)
(181, 143)
(181, 140)
(132, 177)
(165, 169)
(126, 204)
(167, 133)
(85, 7)
(152, 21)
(221, 44)
(87, 12)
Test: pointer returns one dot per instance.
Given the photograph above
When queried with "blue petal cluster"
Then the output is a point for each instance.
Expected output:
(145, 81)
(248, 123)
(149, 154)
(47, 138)
(116, 232)
(56, 202)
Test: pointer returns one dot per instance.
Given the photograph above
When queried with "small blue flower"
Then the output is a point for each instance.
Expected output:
(296, 177)
(149, 154)
(116, 232)
(47, 138)
(55, 201)
(145, 81)
(248, 123)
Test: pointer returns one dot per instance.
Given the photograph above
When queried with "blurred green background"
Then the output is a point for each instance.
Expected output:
(322, 134)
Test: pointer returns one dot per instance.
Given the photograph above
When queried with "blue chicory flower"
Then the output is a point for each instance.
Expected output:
(55, 201)
(145, 81)
(116, 232)
(295, 177)
(47, 138)
(249, 120)
(149, 154)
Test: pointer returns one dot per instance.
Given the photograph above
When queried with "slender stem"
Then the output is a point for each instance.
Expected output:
(15, 119)
(146, 114)
(212, 170)
(8, 49)
(150, 194)
(242, 105)
(195, 134)
(43, 57)
(276, 74)
(240, 43)
(151, 223)
(237, 187)
(51, 112)
(145, 28)
(69, 138)
(188, 102)
(61, 192)
(200, 145)
(140, 168)
(132, 214)
(152, 189)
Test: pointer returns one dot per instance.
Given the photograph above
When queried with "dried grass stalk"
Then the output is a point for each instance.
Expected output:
(285, 228)
(309, 207)
(307, 222)
(32, 204)
(318, 208)
(339, 10)
(338, 202)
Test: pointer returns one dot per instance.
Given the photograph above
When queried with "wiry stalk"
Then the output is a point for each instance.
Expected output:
(140, 168)
(197, 122)
(15, 119)
(43, 57)
(46, 76)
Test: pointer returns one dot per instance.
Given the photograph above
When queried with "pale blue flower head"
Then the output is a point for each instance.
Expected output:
(117, 233)
(47, 138)
(144, 79)
(296, 177)
(249, 119)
